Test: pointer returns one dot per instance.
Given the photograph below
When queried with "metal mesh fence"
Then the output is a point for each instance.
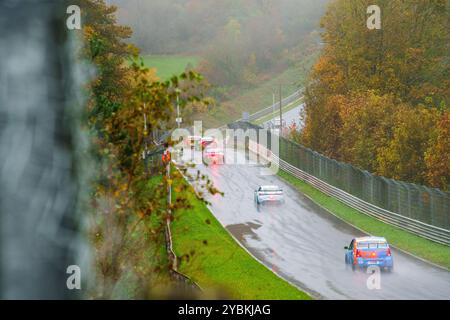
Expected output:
(420, 203)
(431, 206)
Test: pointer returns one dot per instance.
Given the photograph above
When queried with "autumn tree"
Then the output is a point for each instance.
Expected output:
(375, 97)
(106, 48)
(367, 125)
(437, 157)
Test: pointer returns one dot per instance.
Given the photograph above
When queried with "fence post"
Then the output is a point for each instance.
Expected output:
(384, 198)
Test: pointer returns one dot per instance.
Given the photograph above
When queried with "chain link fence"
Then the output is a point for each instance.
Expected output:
(416, 208)
(431, 206)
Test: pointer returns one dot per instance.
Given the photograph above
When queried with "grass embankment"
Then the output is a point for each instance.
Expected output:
(168, 66)
(426, 249)
(149, 256)
(216, 261)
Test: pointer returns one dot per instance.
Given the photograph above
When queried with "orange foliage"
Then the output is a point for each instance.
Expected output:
(437, 157)
(379, 99)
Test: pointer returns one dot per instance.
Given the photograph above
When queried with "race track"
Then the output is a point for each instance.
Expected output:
(304, 244)
(290, 117)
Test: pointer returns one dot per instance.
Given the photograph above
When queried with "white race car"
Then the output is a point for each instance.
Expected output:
(269, 194)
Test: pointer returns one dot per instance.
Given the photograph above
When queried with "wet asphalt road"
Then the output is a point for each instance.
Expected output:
(291, 116)
(304, 244)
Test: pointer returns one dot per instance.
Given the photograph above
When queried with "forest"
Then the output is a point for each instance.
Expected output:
(241, 42)
(378, 99)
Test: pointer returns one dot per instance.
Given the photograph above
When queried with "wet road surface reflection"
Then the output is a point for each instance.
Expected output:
(304, 244)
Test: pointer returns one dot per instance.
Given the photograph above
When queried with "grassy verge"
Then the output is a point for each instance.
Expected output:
(168, 65)
(426, 249)
(150, 259)
(217, 261)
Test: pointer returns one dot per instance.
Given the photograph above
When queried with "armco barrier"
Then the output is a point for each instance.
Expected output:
(420, 228)
(268, 110)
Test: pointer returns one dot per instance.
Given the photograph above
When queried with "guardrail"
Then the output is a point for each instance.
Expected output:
(417, 227)
(428, 231)
(268, 110)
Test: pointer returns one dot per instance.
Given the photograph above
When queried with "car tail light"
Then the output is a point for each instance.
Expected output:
(358, 253)
(389, 252)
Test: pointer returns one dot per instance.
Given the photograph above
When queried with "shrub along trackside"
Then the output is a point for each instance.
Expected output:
(213, 259)
(423, 248)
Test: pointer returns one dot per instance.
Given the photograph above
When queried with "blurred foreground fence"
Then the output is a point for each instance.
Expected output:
(42, 176)
(418, 209)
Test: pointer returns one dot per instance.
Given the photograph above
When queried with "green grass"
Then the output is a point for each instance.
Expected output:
(217, 262)
(153, 255)
(426, 249)
(169, 65)
(255, 98)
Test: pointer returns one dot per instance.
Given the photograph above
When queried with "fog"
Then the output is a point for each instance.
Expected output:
(179, 26)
